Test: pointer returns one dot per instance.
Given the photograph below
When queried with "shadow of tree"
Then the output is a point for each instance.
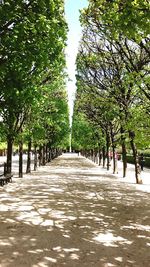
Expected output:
(60, 217)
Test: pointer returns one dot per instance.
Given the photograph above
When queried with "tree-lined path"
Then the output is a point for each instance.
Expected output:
(71, 213)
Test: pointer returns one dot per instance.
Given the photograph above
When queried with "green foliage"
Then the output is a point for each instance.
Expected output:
(140, 122)
(49, 118)
(85, 134)
(33, 37)
(82, 133)
(129, 17)
(2, 145)
(112, 69)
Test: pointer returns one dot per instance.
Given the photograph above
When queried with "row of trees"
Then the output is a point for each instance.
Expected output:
(112, 106)
(33, 100)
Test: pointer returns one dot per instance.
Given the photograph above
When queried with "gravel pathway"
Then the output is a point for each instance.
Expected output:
(73, 213)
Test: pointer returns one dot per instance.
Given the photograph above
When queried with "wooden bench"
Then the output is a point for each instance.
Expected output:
(5, 177)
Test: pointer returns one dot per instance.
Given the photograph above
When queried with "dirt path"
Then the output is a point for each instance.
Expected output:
(70, 214)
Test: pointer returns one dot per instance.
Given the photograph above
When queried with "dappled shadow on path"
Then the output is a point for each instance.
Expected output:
(63, 216)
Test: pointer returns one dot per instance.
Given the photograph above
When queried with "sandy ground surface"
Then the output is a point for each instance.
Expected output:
(73, 213)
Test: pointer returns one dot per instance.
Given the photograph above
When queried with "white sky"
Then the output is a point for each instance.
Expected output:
(72, 16)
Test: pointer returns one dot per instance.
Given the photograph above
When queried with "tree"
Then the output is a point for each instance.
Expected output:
(130, 20)
(33, 35)
(113, 67)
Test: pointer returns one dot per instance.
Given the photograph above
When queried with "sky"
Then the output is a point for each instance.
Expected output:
(72, 8)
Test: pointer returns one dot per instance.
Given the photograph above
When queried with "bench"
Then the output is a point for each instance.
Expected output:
(5, 177)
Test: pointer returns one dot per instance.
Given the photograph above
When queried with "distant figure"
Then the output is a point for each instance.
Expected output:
(141, 161)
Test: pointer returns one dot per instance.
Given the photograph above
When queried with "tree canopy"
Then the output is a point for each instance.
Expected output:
(32, 65)
(113, 73)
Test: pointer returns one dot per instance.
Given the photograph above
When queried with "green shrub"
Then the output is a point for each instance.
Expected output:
(146, 160)
(130, 159)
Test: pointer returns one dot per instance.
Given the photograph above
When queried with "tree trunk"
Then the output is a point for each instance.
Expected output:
(28, 170)
(104, 156)
(96, 156)
(99, 156)
(46, 153)
(124, 152)
(107, 150)
(136, 159)
(92, 157)
(40, 156)
(44, 156)
(20, 159)
(35, 157)
(9, 153)
(52, 153)
(49, 155)
(115, 160)
(114, 152)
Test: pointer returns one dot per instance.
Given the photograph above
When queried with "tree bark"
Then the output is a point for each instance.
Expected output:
(40, 155)
(96, 156)
(20, 159)
(124, 152)
(107, 150)
(46, 153)
(9, 153)
(104, 156)
(99, 156)
(44, 156)
(114, 152)
(35, 157)
(115, 169)
(49, 155)
(136, 159)
(28, 170)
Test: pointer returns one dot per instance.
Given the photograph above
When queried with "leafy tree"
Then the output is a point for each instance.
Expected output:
(128, 20)
(114, 67)
(47, 126)
(33, 35)
(129, 17)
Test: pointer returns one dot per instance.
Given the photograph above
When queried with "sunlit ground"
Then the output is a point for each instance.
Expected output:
(72, 213)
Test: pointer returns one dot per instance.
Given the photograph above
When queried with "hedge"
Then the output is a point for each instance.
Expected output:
(146, 160)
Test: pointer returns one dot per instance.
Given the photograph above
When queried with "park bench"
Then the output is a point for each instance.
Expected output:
(5, 177)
